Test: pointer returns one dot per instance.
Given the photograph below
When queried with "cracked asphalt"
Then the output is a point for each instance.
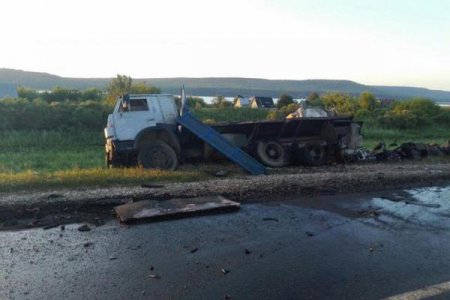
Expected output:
(355, 246)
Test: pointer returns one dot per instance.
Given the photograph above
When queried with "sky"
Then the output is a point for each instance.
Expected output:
(379, 42)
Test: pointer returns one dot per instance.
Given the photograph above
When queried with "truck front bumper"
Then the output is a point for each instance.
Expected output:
(118, 147)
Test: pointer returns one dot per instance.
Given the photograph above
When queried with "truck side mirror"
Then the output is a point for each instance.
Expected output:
(124, 105)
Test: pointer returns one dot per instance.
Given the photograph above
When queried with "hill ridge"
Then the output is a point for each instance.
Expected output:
(226, 86)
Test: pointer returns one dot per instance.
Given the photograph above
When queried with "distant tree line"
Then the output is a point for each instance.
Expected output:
(38, 114)
(59, 94)
(405, 114)
(120, 85)
(71, 109)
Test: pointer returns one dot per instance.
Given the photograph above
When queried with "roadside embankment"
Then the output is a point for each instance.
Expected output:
(278, 184)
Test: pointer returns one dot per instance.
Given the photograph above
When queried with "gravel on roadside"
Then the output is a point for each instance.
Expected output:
(278, 184)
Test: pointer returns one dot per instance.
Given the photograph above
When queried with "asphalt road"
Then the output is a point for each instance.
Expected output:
(338, 247)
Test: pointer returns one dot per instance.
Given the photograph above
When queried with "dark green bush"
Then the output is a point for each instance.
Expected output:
(21, 114)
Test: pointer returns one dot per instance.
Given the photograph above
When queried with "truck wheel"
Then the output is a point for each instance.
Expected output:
(313, 154)
(157, 155)
(272, 154)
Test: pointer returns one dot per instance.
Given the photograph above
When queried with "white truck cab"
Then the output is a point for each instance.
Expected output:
(135, 122)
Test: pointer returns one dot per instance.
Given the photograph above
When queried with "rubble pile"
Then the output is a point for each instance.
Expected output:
(408, 150)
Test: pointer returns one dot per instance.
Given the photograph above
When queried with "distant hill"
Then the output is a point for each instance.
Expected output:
(226, 86)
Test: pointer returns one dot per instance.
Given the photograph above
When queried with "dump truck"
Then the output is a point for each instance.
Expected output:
(149, 130)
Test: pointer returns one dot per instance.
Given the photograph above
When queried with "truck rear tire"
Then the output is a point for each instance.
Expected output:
(313, 154)
(272, 154)
(157, 155)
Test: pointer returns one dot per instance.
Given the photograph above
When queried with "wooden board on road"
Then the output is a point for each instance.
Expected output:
(172, 208)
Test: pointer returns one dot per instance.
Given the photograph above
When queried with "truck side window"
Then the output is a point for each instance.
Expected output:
(135, 105)
(138, 105)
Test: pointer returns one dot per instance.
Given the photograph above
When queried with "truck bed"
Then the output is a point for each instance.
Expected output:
(285, 129)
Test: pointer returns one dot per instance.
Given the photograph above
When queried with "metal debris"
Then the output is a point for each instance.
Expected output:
(270, 219)
(84, 228)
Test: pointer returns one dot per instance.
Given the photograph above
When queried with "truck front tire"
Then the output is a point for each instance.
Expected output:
(157, 155)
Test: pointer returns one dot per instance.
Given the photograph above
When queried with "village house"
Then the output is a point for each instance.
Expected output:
(261, 102)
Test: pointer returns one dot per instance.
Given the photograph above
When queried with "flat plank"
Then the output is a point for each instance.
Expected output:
(177, 207)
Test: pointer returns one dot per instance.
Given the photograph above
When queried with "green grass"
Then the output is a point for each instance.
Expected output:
(49, 139)
(97, 177)
(51, 159)
(372, 135)
(49, 151)
(55, 159)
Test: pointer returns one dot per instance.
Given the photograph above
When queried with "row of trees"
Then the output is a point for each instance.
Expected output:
(405, 114)
(59, 94)
(118, 86)
(63, 108)
(38, 114)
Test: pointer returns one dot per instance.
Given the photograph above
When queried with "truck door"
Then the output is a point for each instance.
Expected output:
(131, 118)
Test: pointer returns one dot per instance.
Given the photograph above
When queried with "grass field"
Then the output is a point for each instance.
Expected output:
(50, 159)
(373, 135)
(47, 151)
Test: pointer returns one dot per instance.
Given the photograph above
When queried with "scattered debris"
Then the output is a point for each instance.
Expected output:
(408, 150)
(84, 228)
(221, 173)
(99, 221)
(134, 247)
(152, 186)
(371, 213)
(270, 219)
(224, 271)
(54, 196)
(51, 225)
(373, 247)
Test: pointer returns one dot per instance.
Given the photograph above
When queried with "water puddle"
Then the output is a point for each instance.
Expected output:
(423, 208)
